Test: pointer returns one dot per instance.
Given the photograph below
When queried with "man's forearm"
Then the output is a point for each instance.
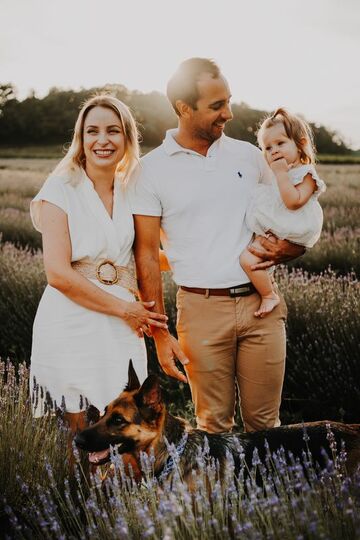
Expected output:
(150, 285)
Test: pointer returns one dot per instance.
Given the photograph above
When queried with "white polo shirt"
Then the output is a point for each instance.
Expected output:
(202, 202)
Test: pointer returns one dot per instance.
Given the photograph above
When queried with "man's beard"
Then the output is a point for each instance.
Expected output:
(205, 134)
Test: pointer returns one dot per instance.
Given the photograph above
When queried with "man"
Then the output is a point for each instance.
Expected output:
(196, 188)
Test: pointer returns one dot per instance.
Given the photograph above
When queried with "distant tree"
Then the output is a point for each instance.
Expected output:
(328, 142)
(50, 120)
(7, 93)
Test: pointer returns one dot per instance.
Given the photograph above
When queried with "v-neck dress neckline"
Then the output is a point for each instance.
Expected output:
(108, 224)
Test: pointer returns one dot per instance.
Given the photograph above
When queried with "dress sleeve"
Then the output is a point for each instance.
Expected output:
(52, 191)
(310, 169)
(142, 194)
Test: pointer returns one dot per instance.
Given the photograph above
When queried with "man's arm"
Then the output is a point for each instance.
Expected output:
(275, 251)
(146, 250)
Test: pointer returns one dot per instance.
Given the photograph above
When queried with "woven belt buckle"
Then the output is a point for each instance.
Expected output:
(107, 280)
(243, 290)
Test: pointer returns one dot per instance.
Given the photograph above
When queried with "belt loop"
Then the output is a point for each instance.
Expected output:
(207, 293)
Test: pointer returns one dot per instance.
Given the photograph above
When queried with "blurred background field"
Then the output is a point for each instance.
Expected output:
(20, 178)
(42, 498)
(321, 290)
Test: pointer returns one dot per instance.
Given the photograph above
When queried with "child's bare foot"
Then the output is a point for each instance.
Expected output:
(267, 304)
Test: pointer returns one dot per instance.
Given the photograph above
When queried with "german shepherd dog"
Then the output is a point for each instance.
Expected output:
(137, 421)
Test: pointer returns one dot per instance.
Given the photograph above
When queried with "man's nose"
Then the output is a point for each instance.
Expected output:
(227, 113)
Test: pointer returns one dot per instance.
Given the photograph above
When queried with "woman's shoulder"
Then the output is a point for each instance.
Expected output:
(65, 180)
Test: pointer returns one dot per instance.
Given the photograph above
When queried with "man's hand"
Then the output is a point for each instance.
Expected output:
(275, 251)
(168, 349)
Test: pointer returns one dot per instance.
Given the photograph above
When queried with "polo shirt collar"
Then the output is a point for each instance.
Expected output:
(172, 147)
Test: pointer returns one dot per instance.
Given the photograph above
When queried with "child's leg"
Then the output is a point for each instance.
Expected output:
(261, 281)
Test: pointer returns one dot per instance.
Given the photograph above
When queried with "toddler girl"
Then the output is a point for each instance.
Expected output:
(288, 208)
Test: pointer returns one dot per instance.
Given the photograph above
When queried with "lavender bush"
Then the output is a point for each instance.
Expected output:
(22, 281)
(280, 498)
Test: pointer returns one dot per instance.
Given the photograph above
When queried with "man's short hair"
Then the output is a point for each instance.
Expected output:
(183, 84)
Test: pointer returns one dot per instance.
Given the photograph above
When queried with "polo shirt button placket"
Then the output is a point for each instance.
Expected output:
(209, 163)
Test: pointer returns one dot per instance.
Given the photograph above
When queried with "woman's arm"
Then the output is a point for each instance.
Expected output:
(61, 276)
(294, 197)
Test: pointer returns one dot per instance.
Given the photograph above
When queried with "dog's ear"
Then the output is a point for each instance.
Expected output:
(133, 381)
(92, 415)
(149, 394)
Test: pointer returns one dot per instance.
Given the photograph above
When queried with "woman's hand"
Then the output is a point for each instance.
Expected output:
(137, 316)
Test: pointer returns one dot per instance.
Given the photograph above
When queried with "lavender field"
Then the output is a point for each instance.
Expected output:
(42, 497)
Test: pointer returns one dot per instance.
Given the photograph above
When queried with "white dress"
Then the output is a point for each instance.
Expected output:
(267, 211)
(76, 351)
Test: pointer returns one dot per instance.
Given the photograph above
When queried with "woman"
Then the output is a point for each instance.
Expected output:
(88, 324)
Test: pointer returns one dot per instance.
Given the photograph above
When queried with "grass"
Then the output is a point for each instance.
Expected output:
(337, 159)
(339, 245)
(29, 152)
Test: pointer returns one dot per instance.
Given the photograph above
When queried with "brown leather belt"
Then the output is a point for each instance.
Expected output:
(240, 290)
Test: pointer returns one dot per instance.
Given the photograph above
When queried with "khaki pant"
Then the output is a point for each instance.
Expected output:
(226, 345)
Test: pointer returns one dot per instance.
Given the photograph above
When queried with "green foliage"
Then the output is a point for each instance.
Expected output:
(54, 117)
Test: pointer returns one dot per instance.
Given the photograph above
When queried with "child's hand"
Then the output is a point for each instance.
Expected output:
(279, 166)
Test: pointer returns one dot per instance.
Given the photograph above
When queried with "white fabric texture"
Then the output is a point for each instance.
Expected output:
(267, 212)
(76, 351)
(202, 202)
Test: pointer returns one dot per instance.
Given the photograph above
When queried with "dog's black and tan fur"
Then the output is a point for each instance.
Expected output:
(138, 421)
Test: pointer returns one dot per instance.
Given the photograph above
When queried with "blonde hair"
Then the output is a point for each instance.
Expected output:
(296, 129)
(74, 161)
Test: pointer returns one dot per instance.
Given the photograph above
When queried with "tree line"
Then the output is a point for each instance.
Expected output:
(50, 120)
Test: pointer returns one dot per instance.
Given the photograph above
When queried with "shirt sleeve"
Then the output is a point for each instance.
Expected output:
(52, 191)
(143, 196)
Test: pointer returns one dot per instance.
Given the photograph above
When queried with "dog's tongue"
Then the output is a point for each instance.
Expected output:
(95, 457)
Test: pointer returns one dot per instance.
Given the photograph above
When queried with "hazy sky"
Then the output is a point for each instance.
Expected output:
(303, 54)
